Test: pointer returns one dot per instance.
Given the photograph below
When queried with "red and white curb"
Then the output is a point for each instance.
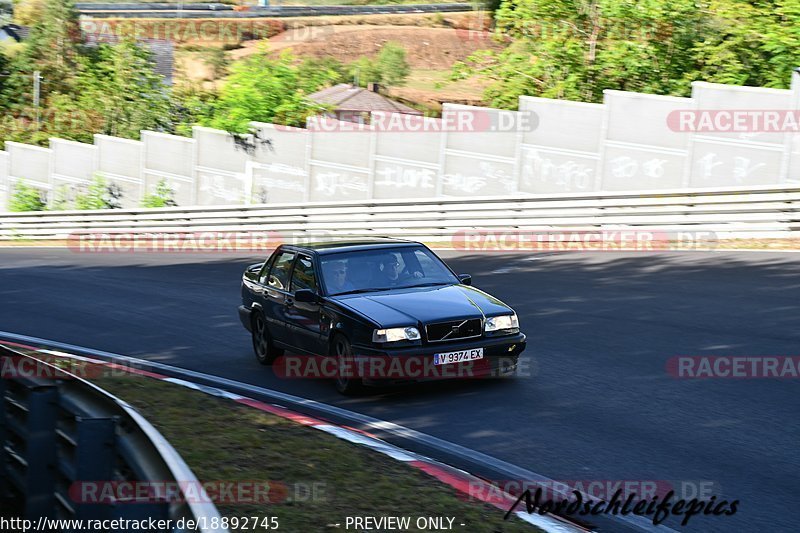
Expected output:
(465, 483)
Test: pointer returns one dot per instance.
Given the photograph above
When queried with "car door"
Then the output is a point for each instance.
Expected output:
(276, 289)
(303, 318)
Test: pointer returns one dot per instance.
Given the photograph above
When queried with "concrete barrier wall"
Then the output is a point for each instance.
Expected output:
(631, 142)
(120, 161)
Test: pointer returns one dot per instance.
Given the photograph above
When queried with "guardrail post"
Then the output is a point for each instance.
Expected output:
(94, 459)
(3, 440)
(39, 455)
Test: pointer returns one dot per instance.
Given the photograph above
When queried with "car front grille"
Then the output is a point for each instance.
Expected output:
(454, 329)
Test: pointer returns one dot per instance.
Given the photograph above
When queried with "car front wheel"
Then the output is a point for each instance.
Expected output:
(346, 382)
(265, 352)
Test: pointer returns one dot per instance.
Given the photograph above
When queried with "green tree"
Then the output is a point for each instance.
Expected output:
(54, 48)
(99, 195)
(163, 196)
(576, 49)
(265, 90)
(216, 59)
(364, 70)
(27, 198)
(3, 69)
(190, 104)
(389, 67)
(392, 64)
(755, 42)
(317, 72)
(118, 93)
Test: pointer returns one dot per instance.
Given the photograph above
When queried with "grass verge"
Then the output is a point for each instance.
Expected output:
(225, 441)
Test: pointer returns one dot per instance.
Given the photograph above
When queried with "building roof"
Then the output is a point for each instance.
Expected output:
(346, 97)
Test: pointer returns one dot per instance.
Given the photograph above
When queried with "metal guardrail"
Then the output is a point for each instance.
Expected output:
(59, 431)
(730, 213)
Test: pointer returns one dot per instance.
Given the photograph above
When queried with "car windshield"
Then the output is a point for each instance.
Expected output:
(383, 269)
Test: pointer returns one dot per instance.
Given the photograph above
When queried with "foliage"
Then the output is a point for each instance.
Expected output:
(392, 64)
(388, 68)
(216, 59)
(364, 70)
(54, 48)
(28, 12)
(119, 94)
(109, 89)
(576, 49)
(99, 195)
(318, 72)
(27, 198)
(264, 90)
(164, 196)
(754, 42)
(190, 104)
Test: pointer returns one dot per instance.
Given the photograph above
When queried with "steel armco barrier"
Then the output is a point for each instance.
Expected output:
(55, 433)
(730, 213)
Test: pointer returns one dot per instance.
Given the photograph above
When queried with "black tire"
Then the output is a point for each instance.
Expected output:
(341, 349)
(265, 352)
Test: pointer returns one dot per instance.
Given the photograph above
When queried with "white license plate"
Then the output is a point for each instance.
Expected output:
(457, 357)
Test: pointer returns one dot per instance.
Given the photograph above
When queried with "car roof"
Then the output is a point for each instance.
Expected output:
(354, 245)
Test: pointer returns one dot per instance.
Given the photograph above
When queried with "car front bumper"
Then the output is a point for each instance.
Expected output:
(414, 364)
(244, 316)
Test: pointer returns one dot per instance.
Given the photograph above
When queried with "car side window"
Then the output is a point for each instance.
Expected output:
(262, 276)
(303, 276)
(279, 274)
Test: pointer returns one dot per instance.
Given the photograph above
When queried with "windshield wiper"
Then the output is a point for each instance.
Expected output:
(431, 284)
(360, 291)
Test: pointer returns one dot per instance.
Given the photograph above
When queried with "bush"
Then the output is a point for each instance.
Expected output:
(392, 64)
(163, 197)
(26, 198)
(99, 195)
(388, 68)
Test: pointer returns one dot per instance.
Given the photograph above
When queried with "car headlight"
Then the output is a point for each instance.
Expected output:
(498, 323)
(395, 334)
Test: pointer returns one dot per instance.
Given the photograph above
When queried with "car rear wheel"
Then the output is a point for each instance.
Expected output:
(265, 352)
(345, 382)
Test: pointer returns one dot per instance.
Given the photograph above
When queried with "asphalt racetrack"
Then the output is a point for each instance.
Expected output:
(600, 405)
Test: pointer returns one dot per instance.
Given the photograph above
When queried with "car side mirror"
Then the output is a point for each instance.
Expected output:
(305, 296)
(465, 279)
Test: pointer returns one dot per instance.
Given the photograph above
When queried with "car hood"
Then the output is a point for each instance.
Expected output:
(404, 307)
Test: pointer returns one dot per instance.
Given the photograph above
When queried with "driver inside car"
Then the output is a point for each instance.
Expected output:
(393, 271)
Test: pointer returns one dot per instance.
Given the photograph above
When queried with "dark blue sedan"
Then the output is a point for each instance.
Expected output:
(379, 311)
